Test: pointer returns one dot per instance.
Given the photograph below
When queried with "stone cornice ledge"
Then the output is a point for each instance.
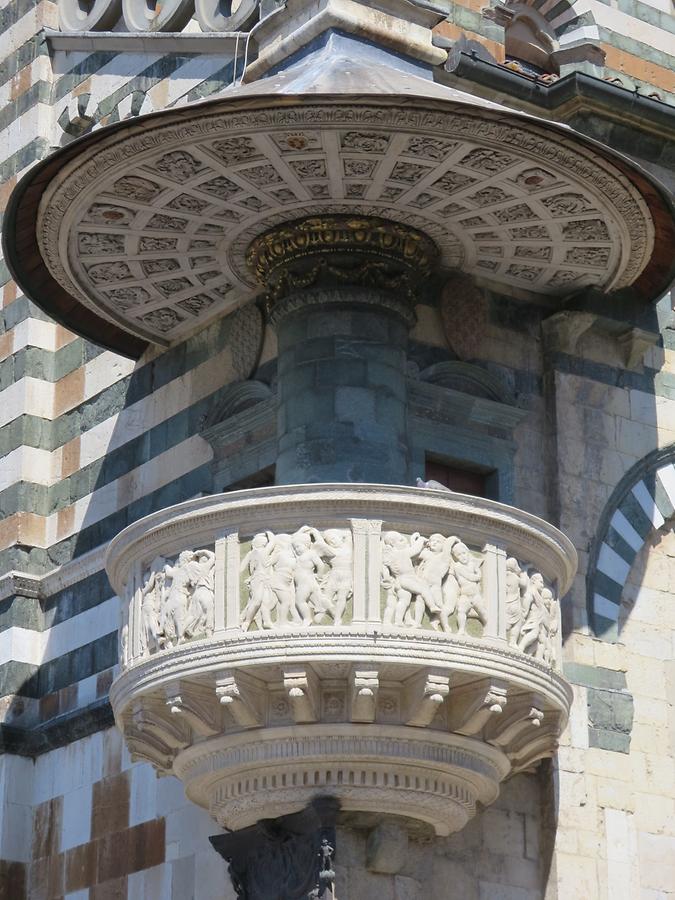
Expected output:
(379, 644)
(43, 586)
(147, 42)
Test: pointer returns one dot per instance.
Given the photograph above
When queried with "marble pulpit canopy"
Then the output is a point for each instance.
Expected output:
(139, 232)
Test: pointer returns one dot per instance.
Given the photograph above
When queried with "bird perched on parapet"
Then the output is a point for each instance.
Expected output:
(433, 486)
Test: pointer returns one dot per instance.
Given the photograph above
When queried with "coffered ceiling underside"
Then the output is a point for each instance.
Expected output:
(150, 229)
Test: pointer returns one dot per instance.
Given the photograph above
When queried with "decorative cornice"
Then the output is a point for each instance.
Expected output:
(453, 406)
(144, 42)
(322, 251)
(59, 732)
(43, 586)
(433, 777)
(380, 644)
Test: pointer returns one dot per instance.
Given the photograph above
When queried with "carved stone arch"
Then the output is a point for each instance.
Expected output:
(642, 502)
(469, 379)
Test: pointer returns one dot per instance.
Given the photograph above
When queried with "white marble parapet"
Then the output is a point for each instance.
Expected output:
(339, 613)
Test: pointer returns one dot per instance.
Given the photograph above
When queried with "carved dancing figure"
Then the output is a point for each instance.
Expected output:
(124, 645)
(152, 595)
(262, 599)
(174, 615)
(468, 574)
(394, 598)
(435, 561)
(547, 649)
(338, 583)
(516, 585)
(282, 581)
(309, 568)
(533, 613)
(398, 553)
(202, 571)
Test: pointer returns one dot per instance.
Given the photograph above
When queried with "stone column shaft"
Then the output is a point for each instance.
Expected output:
(341, 292)
(342, 389)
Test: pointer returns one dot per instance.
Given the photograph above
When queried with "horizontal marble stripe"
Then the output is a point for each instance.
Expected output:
(106, 501)
(630, 33)
(35, 559)
(45, 364)
(82, 662)
(36, 744)
(34, 333)
(39, 647)
(52, 398)
(43, 14)
(37, 614)
(12, 11)
(123, 74)
(34, 46)
(63, 489)
(15, 109)
(19, 160)
(146, 479)
(26, 464)
(637, 61)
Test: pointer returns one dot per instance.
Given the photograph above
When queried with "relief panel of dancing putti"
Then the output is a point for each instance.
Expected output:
(432, 582)
(532, 613)
(297, 580)
(176, 601)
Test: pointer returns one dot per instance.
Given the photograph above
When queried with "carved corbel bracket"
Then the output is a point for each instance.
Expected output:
(425, 694)
(192, 704)
(364, 688)
(156, 723)
(520, 721)
(534, 742)
(240, 697)
(634, 344)
(475, 705)
(303, 694)
(78, 116)
(563, 330)
(147, 748)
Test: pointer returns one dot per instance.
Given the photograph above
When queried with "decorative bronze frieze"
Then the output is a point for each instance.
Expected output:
(333, 251)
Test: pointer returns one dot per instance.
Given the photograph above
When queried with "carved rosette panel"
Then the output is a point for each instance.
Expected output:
(152, 230)
(446, 640)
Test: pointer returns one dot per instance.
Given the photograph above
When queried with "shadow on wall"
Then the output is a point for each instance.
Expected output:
(133, 448)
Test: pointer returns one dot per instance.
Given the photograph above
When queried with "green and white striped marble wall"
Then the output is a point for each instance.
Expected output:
(90, 441)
